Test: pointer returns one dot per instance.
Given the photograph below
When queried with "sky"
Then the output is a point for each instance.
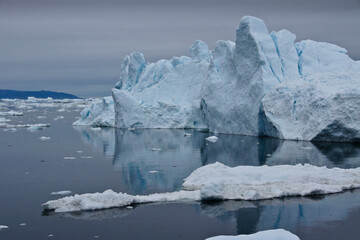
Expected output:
(77, 46)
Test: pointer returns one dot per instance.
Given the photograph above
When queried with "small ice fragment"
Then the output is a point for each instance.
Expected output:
(268, 155)
(212, 139)
(86, 157)
(79, 151)
(22, 224)
(65, 192)
(96, 129)
(257, 143)
(43, 138)
(40, 117)
(96, 236)
(58, 118)
(156, 149)
(26, 173)
(131, 129)
(306, 148)
(3, 227)
(69, 158)
(187, 134)
(50, 235)
(129, 207)
(153, 171)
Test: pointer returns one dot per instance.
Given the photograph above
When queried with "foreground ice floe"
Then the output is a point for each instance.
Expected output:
(277, 234)
(219, 182)
(3, 227)
(263, 84)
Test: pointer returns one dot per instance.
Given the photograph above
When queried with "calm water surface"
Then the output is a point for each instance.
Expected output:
(30, 169)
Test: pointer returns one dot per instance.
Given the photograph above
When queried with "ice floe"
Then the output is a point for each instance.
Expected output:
(276, 234)
(65, 192)
(219, 182)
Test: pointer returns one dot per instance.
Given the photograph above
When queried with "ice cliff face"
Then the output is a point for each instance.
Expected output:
(264, 84)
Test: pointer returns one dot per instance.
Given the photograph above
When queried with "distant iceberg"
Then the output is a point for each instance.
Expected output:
(263, 84)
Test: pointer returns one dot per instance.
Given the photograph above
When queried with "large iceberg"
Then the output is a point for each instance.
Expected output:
(263, 84)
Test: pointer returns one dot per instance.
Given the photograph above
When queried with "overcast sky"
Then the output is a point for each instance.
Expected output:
(77, 46)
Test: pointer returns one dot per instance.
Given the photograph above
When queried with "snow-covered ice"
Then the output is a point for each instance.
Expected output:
(263, 84)
(219, 182)
(276, 234)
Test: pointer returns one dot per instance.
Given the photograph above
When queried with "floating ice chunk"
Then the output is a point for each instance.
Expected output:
(43, 138)
(40, 117)
(156, 149)
(277, 234)
(217, 181)
(35, 127)
(187, 134)
(22, 224)
(65, 192)
(212, 138)
(4, 120)
(111, 199)
(11, 113)
(96, 129)
(86, 157)
(69, 158)
(153, 171)
(79, 151)
(3, 227)
(58, 118)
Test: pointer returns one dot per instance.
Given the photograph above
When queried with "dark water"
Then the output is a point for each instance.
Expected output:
(30, 169)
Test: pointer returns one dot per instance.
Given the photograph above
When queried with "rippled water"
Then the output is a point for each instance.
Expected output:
(123, 160)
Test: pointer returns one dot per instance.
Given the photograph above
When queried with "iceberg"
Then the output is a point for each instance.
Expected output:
(263, 84)
(276, 234)
(219, 182)
(99, 114)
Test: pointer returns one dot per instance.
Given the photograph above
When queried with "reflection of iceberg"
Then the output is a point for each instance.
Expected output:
(135, 159)
(344, 155)
(289, 213)
(103, 140)
(180, 155)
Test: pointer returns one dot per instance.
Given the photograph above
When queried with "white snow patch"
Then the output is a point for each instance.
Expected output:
(277, 234)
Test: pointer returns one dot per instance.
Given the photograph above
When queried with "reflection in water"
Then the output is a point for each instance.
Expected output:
(286, 213)
(103, 140)
(134, 158)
